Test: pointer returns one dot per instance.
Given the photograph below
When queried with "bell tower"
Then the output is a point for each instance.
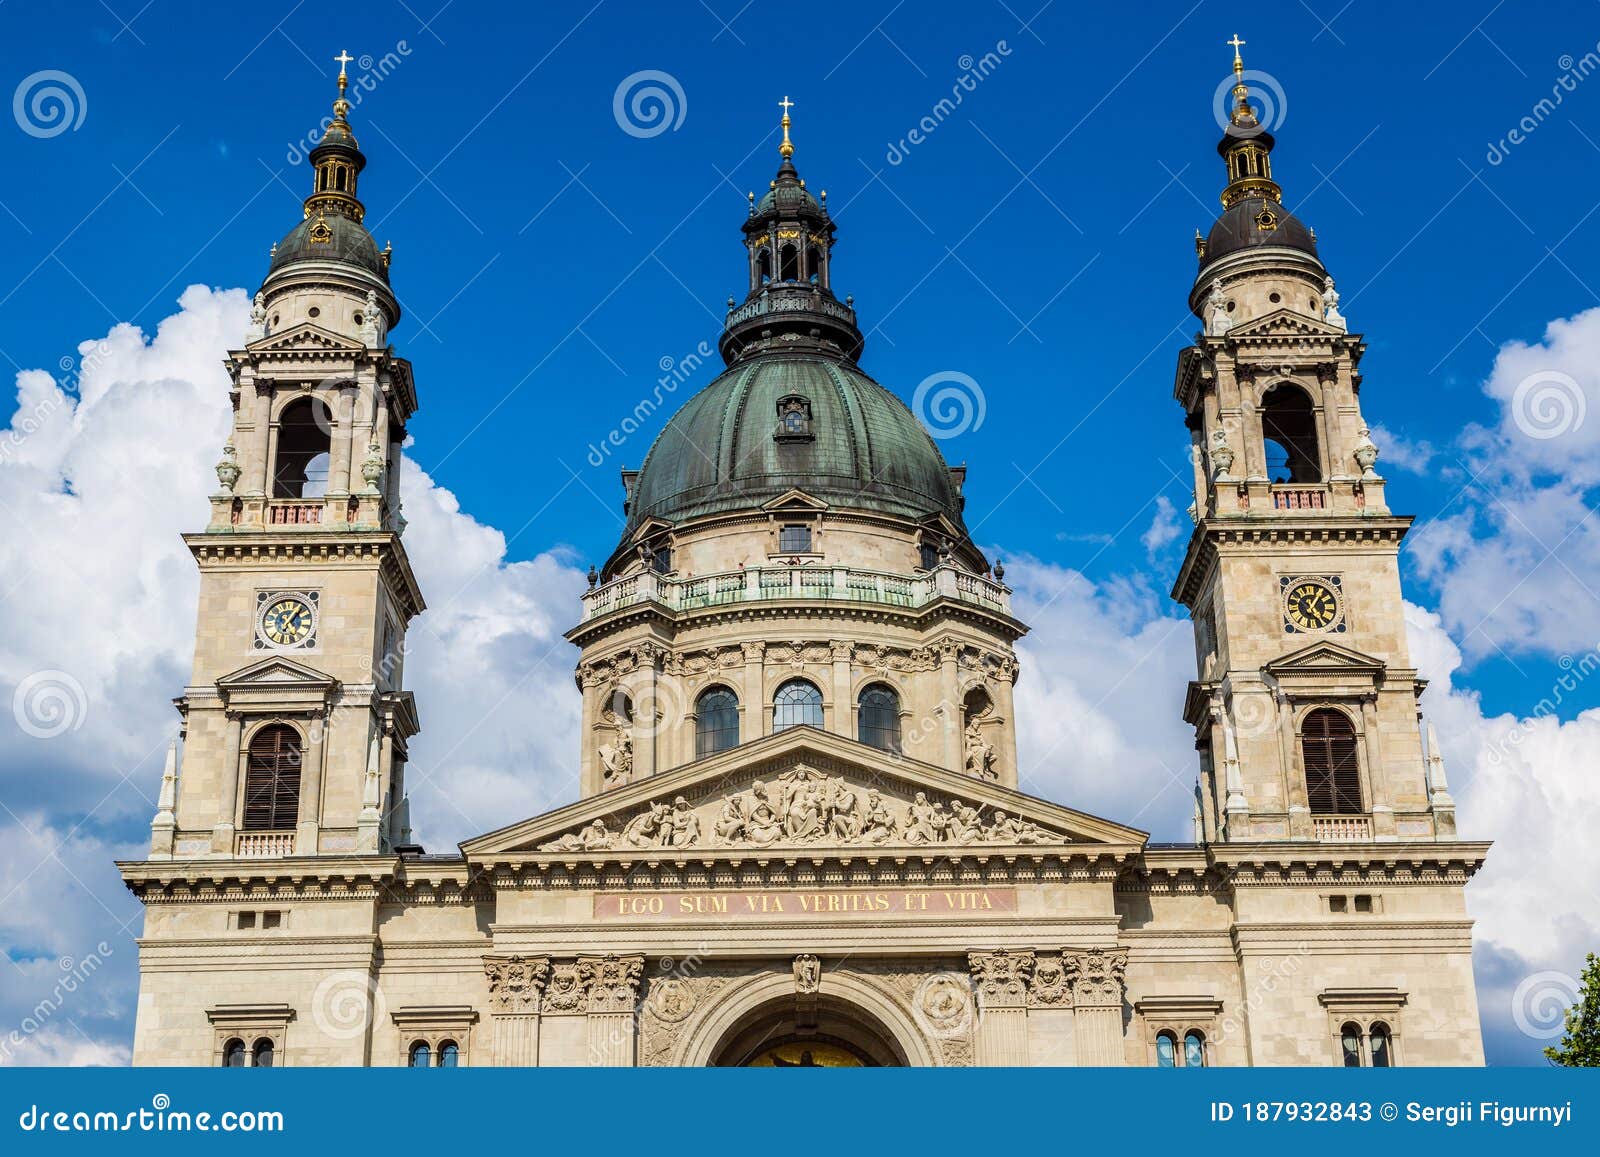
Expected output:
(295, 717)
(1305, 708)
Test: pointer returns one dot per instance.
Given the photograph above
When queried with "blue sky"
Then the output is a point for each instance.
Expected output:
(553, 264)
(549, 261)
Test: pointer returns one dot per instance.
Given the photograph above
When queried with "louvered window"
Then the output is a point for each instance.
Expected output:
(272, 779)
(1333, 781)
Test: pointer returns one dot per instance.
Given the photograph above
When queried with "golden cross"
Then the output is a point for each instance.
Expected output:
(786, 104)
(343, 59)
(1237, 44)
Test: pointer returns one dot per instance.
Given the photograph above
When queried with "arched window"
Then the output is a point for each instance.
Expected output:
(233, 1054)
(1328, 747)
(1379, 1046)
(814, 265)
(878, 717)
(1166, 1051)
(976, 704)
(449, 1054)
(798, 703)
(305, 432)
(1289, 426)
(1194, 1050)
(272, 779)
(1350, 1045)
(763, 267)
(716, 721)
(261, 1054)
(421, 1056)
(788, 264)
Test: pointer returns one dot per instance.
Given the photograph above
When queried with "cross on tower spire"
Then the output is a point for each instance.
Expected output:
(787, 148)
(343, 59)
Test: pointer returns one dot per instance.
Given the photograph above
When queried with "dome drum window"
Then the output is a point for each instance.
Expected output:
(794, 420)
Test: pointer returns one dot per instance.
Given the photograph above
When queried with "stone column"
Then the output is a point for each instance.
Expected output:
(1005, 708)
(950, 701)
(515, 986)
(231, 771)
(1002, 1031)
(754, 699)
(647, 704)
(1381, 806)
(843, 702)
(312, 760)
(613, 985)
(1096, 976)
(257, 478)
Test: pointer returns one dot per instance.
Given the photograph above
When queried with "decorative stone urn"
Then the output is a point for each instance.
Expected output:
(1222, 455)
(372, 468)
(1365, 454)
(228, 467)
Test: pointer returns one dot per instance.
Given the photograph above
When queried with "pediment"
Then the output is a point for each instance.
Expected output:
(1323, 657)
(275, 671)
(306, 335)
(802, 790)
(794, 499)
(1284, 322)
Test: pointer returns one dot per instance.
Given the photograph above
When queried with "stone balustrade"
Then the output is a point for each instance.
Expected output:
(796, 583)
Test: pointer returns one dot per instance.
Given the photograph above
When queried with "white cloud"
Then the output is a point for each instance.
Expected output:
(120, 470)
(1398, 452)
(98, 481)
(1164, 528)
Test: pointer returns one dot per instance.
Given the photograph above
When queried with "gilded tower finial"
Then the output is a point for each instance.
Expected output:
(1241, 91)
(343, 59)
(787, 148)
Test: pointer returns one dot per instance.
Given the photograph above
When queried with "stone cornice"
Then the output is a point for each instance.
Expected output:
(303, 877)
(264, 549)
(1280, 531)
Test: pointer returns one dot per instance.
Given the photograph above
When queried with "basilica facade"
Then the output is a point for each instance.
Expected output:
(800, 838)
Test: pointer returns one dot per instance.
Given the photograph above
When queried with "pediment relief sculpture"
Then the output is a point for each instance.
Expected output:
(804, 806)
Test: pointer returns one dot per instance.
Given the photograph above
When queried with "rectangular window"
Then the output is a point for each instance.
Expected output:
(1363, 903)
(271, 919)
(794, 540)
(1338, 903)
(246, 920)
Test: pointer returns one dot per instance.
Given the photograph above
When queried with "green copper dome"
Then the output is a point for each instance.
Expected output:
(847, 441)
(348, 242)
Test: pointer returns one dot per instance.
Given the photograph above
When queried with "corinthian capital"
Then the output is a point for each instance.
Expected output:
(1096, 974)
(515, 982)
(1002, 977)
(612, 981)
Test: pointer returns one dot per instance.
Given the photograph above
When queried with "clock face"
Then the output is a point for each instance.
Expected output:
(287, 622)
(1311, 605)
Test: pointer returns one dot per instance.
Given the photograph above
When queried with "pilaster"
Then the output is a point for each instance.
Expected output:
(516, 985)
(1002, 1033)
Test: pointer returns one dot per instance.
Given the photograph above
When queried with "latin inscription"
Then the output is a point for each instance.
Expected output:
(797, 903)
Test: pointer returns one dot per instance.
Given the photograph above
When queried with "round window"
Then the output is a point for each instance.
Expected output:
(1274, 298)
(313, 312)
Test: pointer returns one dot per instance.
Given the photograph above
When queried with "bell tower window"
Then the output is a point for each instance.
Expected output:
(763, 266)
(788, 264)
(1289, 429)
(1328, 748)
(272, 779)
(304, 438)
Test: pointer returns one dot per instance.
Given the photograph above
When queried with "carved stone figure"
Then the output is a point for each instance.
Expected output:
(731, 824)
(807, 974)
(980, 752)
(594, 836)
(1366, 454)
(877, 825)
(258, 319)
(1217, 320)
(683, 826)
(649, 828)
(616, 759)
(228, 466)
(370, 334)
(963, 824)
(925, 822)
(564, 991)
(1330, 306)
(1221, 455)
(670, 999)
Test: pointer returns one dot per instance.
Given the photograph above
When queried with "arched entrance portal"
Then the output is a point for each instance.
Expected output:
(825, 1034)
